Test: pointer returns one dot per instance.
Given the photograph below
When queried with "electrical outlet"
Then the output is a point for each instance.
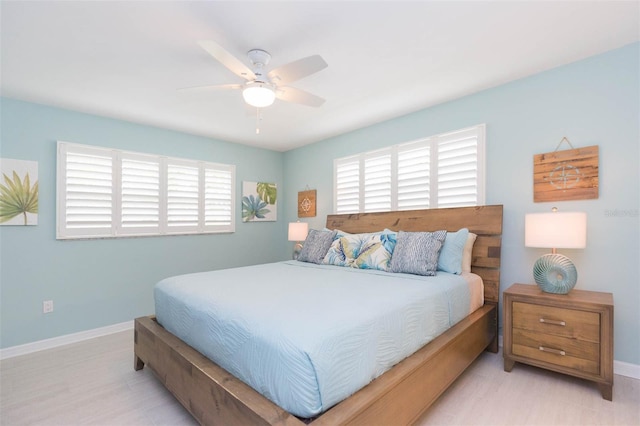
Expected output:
(47, 306)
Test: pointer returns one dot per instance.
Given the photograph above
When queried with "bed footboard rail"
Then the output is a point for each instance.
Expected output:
(208, 392)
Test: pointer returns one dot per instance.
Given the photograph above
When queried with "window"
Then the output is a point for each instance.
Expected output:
(104, 193)
(446, 170)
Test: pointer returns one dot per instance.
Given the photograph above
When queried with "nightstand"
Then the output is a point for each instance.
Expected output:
(567, 333)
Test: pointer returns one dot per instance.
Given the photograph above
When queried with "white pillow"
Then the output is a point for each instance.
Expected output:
(466, 252)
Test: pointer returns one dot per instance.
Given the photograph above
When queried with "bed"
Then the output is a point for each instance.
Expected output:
(399, 396)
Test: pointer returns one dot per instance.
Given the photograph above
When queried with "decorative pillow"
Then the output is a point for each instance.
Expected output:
(450, 259)
(417, 252)
(376, 250)
(344, 249)
(466, 253)
(316, 246)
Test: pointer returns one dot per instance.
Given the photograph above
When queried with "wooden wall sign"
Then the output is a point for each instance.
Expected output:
(566, 175)
(307, 203)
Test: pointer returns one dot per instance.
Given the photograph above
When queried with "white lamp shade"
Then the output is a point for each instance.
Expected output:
(556, 230)
(298, 231)
(259, 95)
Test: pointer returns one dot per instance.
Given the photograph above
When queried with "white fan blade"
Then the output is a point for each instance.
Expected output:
(298, 96)
(227, 59)
(215, 87)
(297, 69)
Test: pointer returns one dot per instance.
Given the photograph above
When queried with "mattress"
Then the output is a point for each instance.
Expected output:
(307, 336)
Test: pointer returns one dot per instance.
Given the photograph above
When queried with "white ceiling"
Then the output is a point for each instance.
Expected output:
(126, 59)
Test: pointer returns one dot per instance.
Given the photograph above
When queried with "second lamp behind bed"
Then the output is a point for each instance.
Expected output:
(298, 232)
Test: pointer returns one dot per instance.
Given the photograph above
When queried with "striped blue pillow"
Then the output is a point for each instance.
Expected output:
(316, 246)
(417, 252)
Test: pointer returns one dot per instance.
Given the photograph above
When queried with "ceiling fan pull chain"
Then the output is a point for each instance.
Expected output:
(258, 118)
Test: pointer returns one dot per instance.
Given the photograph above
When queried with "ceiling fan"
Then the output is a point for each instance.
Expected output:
(262, 88)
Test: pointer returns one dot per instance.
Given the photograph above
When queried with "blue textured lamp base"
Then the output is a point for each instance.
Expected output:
(296, 251)
(555, 273)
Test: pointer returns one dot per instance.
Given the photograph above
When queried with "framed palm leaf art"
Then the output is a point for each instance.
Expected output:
(259, 202)
(18, 192)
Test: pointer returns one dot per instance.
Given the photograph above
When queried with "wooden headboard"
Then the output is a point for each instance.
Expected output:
(485, 221)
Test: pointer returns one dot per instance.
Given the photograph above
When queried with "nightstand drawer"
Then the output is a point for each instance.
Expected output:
(575, 324)
(563, 351)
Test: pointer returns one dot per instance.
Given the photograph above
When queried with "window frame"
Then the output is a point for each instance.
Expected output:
(114, 227)
(432, 143)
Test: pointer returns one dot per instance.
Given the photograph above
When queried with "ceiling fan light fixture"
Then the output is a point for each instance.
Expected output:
(258, 94)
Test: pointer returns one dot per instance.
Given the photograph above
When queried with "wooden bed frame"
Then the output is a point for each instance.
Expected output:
(400, 396)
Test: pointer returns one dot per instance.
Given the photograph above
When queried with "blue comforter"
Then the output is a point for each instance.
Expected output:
(307, 336)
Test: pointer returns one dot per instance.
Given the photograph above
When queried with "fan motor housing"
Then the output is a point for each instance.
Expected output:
(259, 57)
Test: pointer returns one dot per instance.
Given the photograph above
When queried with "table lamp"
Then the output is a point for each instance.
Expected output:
(555, 273)
(298, 232)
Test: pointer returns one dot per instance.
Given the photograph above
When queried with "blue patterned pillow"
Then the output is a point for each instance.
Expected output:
(450, 259)
(344, 249)
(417, 252)
(316, 246)
(376, 250)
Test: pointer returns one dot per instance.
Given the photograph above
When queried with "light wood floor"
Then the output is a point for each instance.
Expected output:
(93, 383)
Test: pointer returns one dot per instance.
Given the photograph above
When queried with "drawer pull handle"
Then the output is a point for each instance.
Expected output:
(554, 322)
(553, 351)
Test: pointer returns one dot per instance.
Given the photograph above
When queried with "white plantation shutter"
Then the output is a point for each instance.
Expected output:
(140, 185)
(446, 170)
(183, 184)
(377, 181)
(458, 181)
(347, 185)
(88, 191)
(219, 184)
(414, 165)
(112, 193)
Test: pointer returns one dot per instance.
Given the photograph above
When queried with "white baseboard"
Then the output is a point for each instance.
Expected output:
(621, 368)
(67, 339)
(626, 369)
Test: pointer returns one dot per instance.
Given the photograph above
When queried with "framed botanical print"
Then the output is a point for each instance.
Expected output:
(259, 202)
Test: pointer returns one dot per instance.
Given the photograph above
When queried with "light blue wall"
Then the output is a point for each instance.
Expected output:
(592, 102)
(102, 282)
(95, 283)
